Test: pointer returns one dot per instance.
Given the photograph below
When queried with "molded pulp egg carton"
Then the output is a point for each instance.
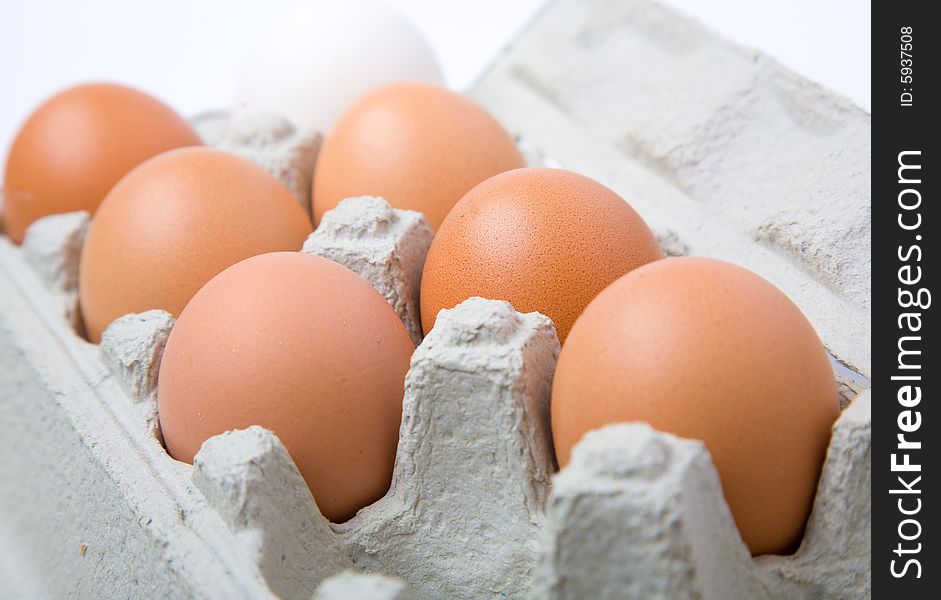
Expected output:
(723, 151)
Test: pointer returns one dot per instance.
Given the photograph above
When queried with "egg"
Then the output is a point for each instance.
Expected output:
(710, 351)
(314, 58)
(545, 240)
(173, 223)
(304, 347)
(78, 144)
(419, 146)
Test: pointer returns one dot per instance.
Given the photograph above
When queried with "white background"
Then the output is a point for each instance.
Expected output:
(187, 52)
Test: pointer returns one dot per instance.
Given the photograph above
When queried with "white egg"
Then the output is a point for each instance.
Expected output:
(316, 57)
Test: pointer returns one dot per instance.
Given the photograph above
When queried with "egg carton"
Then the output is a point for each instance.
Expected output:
(722, 150)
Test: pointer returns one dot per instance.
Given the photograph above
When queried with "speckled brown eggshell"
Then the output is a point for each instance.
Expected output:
(546, 240)
(304, 347)
(707, 350)
(78, 144)
(418, 145)
(172, 224)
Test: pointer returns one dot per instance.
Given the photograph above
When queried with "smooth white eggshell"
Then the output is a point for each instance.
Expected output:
(317, 56)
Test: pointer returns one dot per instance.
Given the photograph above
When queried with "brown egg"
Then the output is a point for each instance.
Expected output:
(707, 350)
(419, 146)
(172, 224)
(546, 240)
(302, 346)
(78, 144)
